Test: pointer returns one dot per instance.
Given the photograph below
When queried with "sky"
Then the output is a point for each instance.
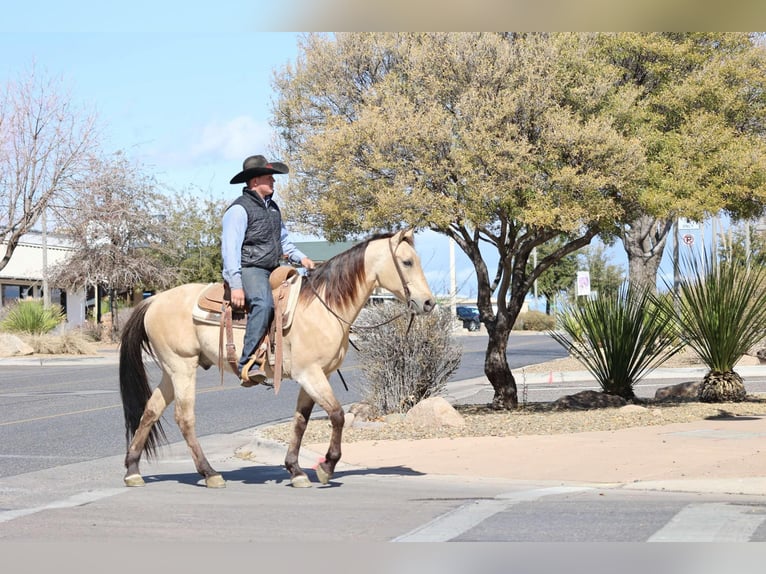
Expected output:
(185, 87)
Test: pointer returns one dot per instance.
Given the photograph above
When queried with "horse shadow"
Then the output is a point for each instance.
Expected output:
(275, 474)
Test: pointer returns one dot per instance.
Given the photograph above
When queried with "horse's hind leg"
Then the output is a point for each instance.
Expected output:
(155, 406)
(185, 388)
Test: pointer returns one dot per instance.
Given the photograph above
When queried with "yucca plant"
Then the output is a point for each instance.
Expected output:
(722, 314)
(30, 316)
(619, 338)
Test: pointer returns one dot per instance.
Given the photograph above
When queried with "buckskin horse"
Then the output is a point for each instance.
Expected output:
(316, 342)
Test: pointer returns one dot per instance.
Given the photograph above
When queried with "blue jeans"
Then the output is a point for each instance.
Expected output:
(260, 308)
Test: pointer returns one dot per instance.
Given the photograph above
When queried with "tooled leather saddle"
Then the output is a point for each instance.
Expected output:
(214, 308)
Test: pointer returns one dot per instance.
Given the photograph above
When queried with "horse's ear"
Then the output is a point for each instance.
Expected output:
(406, 235)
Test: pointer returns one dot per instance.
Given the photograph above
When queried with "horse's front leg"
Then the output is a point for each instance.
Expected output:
(301, 418)
(306, 401)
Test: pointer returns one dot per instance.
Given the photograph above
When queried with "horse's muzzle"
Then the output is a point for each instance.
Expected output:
(420, 308)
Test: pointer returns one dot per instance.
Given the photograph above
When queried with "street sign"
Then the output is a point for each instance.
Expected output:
(583, 283)
(687, 224)
(688, 239)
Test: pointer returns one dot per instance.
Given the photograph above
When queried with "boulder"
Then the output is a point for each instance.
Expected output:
(681, 392)
(434, 412)
(11, 346)
(585, 400)
(362, 412)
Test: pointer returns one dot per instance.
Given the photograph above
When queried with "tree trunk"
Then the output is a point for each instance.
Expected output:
(497, 369)
(644, 242)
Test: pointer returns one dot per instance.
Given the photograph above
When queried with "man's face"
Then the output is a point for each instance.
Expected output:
(263, 185)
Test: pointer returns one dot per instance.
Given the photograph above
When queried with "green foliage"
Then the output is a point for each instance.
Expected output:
(605, 278)
(404, 363)
(30, 316)
(722, 310)
(619, 338)
(194, 222)
(560, 276)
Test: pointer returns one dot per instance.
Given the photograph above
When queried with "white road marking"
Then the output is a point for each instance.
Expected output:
(714, 522)
(79, 499)
(461, 519)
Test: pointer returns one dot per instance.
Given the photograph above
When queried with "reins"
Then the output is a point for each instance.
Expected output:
(394, 318)
(353, 327)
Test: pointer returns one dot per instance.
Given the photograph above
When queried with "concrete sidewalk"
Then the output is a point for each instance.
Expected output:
(721, 455)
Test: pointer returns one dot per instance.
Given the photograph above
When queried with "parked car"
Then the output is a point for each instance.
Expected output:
(469, 315)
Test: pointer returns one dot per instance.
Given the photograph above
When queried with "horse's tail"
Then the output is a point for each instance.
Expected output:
(134, 383)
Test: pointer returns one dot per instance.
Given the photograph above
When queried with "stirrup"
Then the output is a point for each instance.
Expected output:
(250, 378)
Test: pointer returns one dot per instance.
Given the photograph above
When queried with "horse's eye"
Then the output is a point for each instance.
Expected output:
(407, 262)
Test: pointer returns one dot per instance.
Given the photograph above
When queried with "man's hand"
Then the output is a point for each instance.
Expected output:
(308, 263)
(238, 298)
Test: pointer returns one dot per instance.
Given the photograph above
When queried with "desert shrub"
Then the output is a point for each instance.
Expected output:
(534, 321)
(70, 343)
(404, 364)
(722, 315)
(30, 316)
(619, 337)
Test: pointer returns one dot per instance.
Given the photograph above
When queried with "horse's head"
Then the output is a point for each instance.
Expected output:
(398, 269)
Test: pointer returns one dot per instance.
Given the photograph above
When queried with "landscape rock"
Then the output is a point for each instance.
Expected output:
(688, 391)
(585, 400)
(633, 409)
(12, 346)
(434, 412)
(361, 411)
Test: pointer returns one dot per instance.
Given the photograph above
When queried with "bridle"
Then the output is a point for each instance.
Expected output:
(407, 296)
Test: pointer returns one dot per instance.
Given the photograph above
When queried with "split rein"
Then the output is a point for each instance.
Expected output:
(392, 319)
(353, 327)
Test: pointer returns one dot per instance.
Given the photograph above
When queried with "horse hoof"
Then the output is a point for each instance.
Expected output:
(134, 480)
(215, 481)
(301, 481)
(323, 476)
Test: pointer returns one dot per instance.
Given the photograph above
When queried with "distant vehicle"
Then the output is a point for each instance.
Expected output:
(470, 317)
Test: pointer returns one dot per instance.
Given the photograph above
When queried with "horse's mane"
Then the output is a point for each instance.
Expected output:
(339, 278)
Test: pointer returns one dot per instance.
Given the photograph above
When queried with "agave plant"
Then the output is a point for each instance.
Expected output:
(619, 338)
(722, 314)
(32, 317)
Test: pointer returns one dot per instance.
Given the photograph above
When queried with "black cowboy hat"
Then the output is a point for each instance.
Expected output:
(256, 165)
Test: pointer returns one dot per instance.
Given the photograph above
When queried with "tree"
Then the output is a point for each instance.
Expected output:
(45, 142)
(605, 278)
(699, 109)
(495, 139)
(194, 222)
(118, 229)
(559, 277)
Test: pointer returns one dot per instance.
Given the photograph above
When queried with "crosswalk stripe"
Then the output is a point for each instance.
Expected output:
(461, 519)
(712, 522)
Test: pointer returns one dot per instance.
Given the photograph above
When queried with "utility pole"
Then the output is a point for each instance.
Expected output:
(452, 278)
(46, 290)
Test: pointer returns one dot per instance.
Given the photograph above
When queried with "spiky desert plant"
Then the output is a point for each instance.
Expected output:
(722, 314)
(32, 317)
(619, 338)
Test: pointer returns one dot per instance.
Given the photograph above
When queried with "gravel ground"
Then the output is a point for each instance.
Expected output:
(538, 418)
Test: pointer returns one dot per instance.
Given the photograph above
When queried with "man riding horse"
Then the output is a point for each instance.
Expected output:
(254, 240)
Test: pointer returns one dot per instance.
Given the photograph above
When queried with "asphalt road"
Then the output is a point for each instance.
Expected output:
(61, 450)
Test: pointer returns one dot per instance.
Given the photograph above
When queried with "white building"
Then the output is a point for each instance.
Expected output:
(22, 277)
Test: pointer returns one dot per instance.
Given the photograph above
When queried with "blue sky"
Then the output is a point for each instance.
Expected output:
(184, 88)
